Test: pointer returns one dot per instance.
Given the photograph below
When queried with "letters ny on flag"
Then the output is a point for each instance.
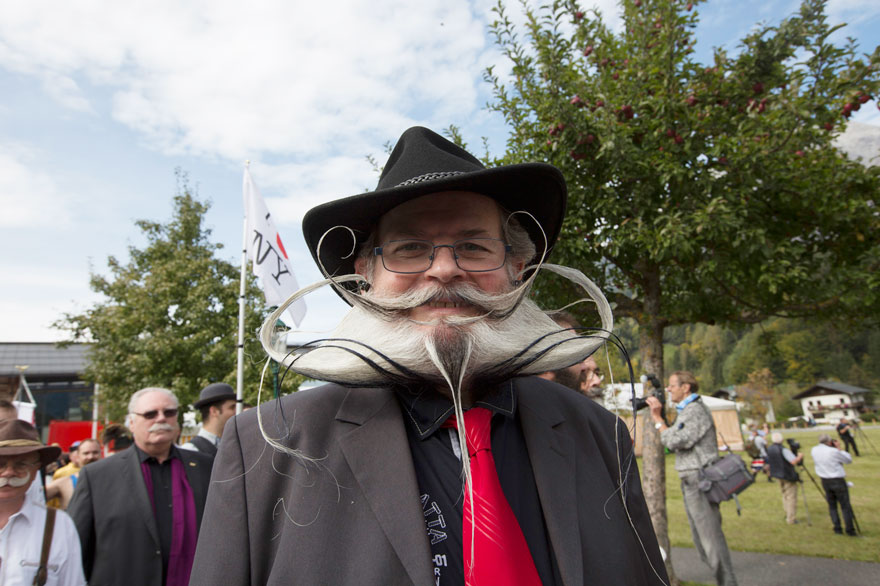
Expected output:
(265, 249)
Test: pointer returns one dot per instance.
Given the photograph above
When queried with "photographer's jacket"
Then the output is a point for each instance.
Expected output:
(780, 459)
(692, 437)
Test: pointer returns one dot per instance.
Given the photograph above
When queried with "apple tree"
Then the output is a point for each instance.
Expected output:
(698, 192)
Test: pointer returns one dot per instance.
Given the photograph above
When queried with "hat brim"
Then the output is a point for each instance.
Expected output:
(536, 188)
(212, 400)
(47, 453)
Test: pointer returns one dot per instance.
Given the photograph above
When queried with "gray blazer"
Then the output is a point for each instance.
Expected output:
(114, 518)
(350, 513)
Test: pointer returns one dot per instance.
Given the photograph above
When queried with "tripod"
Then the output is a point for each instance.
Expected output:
(824, 498)
(804, 491)
(864, 436)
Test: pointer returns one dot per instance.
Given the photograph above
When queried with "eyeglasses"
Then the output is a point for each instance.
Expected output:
(474, 255)
(18, 467)
(154, 413)
(597, 372)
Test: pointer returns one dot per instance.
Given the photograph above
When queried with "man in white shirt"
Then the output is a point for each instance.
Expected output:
(22, 522)
(828, 460)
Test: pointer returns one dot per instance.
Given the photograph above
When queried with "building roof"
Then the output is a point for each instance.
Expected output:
(42, 358)
(826, 387)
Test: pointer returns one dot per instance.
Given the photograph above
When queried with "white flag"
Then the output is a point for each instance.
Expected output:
(265, 249)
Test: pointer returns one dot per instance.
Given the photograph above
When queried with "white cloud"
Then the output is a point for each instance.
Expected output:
(853, 12)
(218, 78)
(27, 196)
(861, 141)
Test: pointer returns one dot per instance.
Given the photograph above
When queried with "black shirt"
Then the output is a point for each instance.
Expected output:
(162, 500)
(438, 470)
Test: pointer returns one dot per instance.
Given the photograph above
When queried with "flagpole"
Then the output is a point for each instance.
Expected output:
(239, 388)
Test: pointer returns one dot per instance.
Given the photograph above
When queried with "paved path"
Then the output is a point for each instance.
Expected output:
(762, 569)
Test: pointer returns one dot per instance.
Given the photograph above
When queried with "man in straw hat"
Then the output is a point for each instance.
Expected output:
(362, 481)
(23, 524)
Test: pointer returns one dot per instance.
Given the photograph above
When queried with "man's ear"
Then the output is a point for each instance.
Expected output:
(518, 266)
(360, 267)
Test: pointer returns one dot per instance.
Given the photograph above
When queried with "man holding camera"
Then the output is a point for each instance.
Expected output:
(782, 466)
(692, 438)
(829, 459)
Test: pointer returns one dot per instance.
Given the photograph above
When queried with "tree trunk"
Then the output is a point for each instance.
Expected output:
(653, 454)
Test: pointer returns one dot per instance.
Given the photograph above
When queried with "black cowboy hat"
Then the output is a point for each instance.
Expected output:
(19, 437)
(214, 393)
(423, 162)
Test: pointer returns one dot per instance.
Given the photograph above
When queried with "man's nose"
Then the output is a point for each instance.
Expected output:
(444, 268)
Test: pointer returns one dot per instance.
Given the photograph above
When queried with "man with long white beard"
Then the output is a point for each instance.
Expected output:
(362, 481)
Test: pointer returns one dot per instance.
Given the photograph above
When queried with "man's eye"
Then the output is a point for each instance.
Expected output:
(409, 248)
(471, 248)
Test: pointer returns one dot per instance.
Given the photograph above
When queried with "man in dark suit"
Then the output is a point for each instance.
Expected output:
(138, 512)
(216, 404)
(361, 481)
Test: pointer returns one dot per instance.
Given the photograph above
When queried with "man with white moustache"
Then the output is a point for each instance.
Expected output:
(26, 527)
(138, 513)
(362, 481)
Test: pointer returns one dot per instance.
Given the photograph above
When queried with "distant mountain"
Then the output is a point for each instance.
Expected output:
(861, 141)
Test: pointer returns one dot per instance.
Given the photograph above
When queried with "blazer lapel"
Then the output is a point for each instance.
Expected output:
(377, 451)
(195, 477)
(135, 479)
(551, 453)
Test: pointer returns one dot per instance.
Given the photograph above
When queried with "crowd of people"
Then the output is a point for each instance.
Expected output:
(461, 439)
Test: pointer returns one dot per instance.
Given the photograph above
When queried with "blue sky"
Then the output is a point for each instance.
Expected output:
(102, 100)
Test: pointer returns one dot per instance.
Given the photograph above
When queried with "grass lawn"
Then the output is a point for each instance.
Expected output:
(762, 527)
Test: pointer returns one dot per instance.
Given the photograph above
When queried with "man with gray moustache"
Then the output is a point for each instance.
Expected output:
(138, 513)
(442, 338)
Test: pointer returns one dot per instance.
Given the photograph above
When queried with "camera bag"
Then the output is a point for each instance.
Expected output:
(725, 478)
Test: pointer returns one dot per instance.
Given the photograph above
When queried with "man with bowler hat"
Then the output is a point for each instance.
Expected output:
(216, 404)
(26, 528)
(434, 456)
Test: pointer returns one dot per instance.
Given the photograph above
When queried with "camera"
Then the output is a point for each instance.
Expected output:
(794, 446)
(656, 391)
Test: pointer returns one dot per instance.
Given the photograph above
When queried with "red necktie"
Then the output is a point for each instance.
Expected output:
(501, 554)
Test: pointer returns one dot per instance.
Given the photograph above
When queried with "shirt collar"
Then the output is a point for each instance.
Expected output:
(690, 399)
(209, 436)
(427, 410)
(143, 456)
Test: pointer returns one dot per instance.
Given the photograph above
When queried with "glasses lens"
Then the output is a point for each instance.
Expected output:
(416, 256)
(153, 413)
(480, 254)
(407, 256)
(18, 467)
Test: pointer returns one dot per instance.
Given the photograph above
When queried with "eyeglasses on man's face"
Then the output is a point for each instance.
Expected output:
(154, 413)
(474, 255)
(19, 467)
